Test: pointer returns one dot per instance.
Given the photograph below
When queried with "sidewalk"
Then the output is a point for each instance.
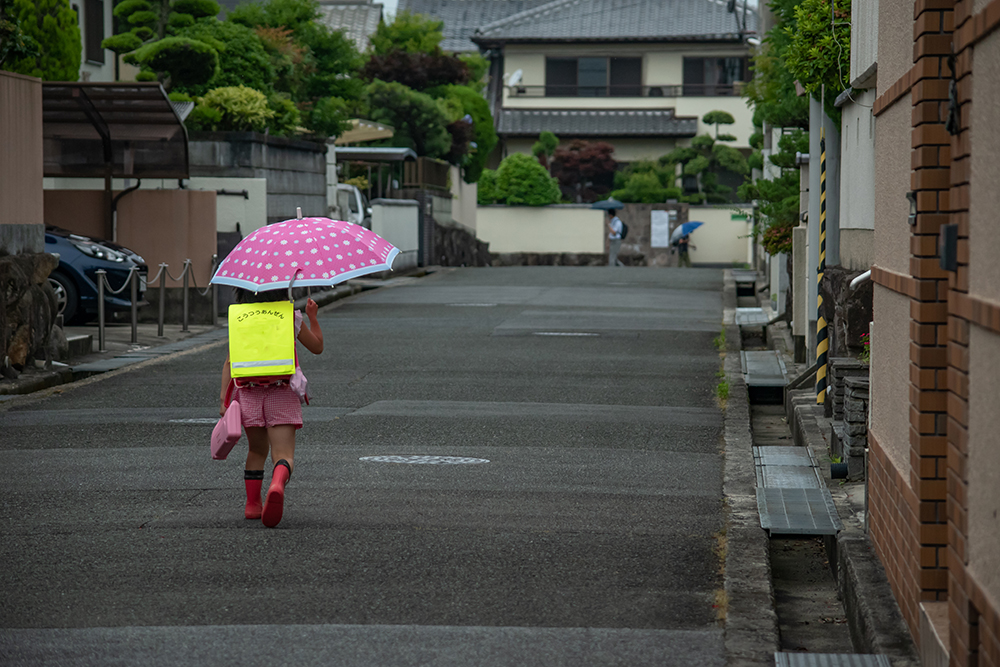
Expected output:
(119, 350)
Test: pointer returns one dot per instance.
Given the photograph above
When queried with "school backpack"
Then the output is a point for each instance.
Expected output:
(624, 232)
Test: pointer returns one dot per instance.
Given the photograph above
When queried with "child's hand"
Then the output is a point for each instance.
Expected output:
(311, 308)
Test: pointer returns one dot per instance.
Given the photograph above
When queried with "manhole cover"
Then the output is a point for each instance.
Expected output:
(199, 420)
(426, 460)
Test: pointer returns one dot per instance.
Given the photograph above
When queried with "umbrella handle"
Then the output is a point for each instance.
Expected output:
(291, 282)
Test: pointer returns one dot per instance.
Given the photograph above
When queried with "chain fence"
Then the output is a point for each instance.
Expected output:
(132, 282)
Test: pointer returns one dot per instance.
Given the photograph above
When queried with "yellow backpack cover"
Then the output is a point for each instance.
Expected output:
(262, 339)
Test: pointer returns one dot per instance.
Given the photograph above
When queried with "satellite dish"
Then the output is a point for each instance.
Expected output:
(515, 78)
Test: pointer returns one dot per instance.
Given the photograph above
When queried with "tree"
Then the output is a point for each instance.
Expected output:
(412, 33)
(419, 122)
(52, 27)
(819, 54)
(646, 182)
(706, 159)
(149, 39)
(419, 71)
(242, 59)
(521, 181)
(468, 106)
(778, 199)
(718, 118)
(486, 192)
(585, 169)
(15, 44)
(544, 148)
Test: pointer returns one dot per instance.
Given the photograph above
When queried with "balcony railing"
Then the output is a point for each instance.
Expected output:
(677, 90)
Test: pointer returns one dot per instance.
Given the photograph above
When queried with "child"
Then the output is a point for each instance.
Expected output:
(271, 413)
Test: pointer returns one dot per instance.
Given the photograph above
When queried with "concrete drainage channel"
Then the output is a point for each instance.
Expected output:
(812, 622)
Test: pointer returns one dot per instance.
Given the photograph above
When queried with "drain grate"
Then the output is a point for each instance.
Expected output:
(777, 455)
(829, 660)
(423, 460)
(797, 511)
(787, 477)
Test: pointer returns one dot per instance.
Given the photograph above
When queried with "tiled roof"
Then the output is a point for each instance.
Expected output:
(596, 122)
(462, 17)
(616, 20)
(358, 21)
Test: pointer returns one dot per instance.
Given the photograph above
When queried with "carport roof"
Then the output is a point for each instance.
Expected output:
(121, 130)
(375, 153)
(596, 122)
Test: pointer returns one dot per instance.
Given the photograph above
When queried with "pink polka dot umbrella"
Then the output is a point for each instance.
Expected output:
(309, 252)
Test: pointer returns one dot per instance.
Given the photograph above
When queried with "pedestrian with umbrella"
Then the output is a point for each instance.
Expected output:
(681, 237)
(261, 370)
(616, 229)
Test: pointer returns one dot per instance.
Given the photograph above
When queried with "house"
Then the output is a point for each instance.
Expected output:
(358, 19)
(95, 19)
(640, 76)
(461, 18)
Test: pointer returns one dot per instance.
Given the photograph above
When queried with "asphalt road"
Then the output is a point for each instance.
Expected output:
(579, 529)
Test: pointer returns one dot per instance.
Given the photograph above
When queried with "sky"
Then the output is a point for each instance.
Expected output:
(388, 7)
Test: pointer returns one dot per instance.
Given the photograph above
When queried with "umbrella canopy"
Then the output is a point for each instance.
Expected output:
(684, 230)
(308, 251)
(608, 204)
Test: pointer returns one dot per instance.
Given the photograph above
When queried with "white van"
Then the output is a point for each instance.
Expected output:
(353, 206)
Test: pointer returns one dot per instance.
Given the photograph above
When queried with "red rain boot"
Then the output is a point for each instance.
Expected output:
(253, 480)
(274, 504)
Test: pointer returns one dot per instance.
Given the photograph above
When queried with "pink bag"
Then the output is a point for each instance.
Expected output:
(227, 432)
(300, 385)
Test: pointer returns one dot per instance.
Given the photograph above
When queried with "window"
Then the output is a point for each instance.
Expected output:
(713, 76)
(593, 77)
(94, 24)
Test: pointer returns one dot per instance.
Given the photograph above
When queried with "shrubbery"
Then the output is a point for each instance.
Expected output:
(519, 181)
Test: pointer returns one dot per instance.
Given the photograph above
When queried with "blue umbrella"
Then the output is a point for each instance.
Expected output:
(684, 230)
(608, 204)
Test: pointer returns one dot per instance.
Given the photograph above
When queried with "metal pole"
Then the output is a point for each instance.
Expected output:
(215, 293)
(100, 309)
(187, 270)
(163, 298)
(134, 287)
(822, 343)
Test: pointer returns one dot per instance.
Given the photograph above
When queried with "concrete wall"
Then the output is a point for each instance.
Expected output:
(984, 346)
(21, 213)
(895, 45)
(892, 182)
(724, 238)
(250, 212)
(890, 376)
(164, 226)
(857, 182)
(398, 222)
(562, 228)
(295, 171)
(463, 201)
(984, 460)
(864, 39)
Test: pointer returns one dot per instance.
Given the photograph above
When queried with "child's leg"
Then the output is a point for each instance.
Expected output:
(257, 436)
(282, 440)
(253, 475)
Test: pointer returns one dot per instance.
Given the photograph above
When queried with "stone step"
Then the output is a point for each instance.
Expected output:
(80, 345)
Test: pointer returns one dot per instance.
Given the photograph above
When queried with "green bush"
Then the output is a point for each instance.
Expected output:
(522, 181)
(242, 109)
(486, 192)
(243, 61)
(641, 187)
(329, 117)
(287, 119)
(199, 9)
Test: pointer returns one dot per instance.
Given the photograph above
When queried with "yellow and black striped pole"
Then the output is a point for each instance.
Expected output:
(822, 342)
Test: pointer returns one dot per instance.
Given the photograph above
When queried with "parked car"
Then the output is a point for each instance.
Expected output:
(75, 279)
(353, 206)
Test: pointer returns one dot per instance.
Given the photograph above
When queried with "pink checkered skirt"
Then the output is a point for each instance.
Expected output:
(272, 405)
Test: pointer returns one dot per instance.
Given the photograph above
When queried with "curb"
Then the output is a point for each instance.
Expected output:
(751, 631)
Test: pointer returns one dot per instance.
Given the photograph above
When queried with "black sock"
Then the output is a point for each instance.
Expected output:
(253, 474)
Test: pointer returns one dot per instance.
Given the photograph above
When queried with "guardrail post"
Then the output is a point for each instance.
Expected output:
(163, 298)
(187, 270)
(134, 280)
(100, 309)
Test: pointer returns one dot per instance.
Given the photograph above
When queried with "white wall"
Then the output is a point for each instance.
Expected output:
(463, 202)
(543, 229)
(397, 221)
(725, 238)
